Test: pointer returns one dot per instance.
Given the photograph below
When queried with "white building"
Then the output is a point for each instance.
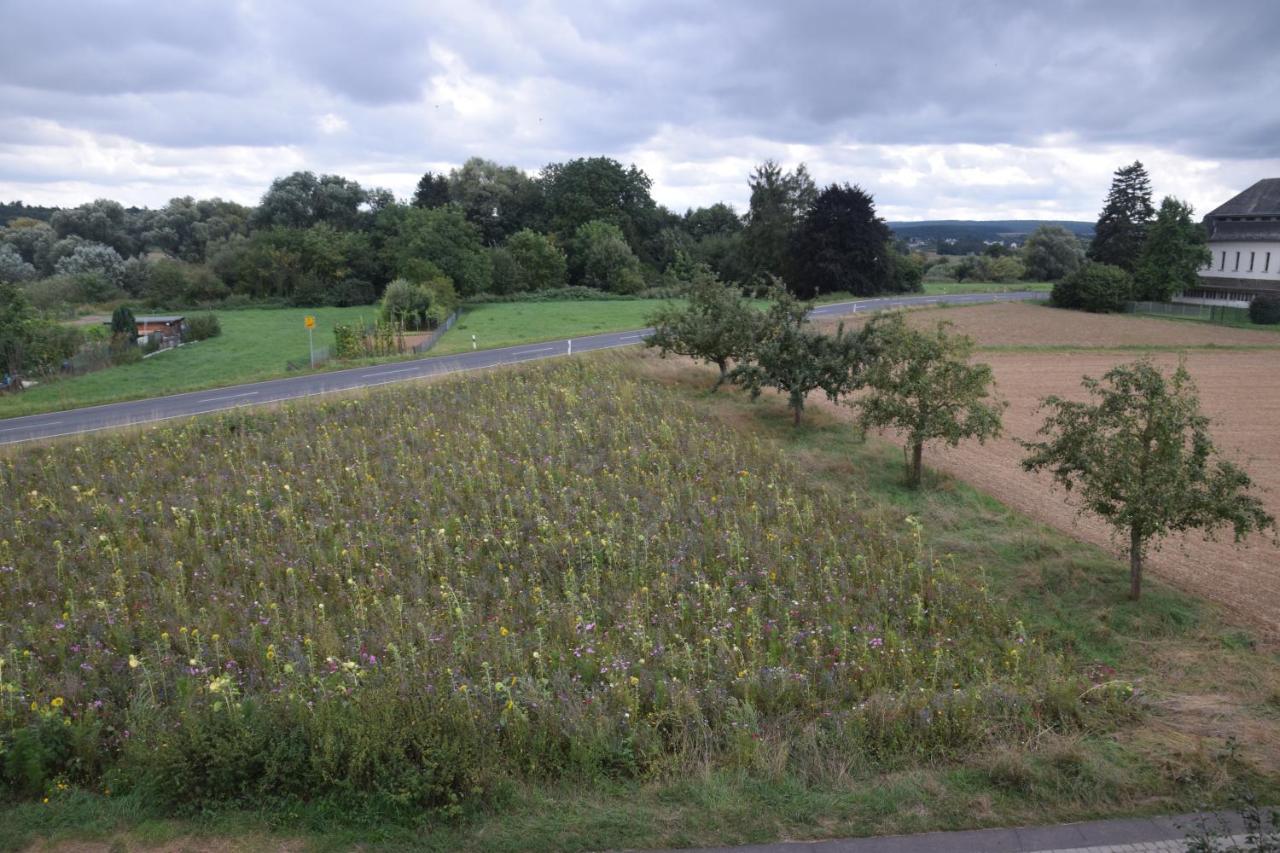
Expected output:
(1244, 237)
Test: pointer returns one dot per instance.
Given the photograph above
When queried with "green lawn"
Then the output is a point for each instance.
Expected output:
(254, 344)
(506, 324)
(947, 288)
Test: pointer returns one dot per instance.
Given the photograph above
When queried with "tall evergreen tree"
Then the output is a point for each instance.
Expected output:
(432, 191)
(1176, 248)
(840, 244)
(1122, 227)
(778, 200)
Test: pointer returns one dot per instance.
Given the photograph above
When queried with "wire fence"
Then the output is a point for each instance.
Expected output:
(1224, 314)
(322, 356)
(437, 332)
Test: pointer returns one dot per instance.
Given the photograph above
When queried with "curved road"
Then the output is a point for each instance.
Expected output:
(75, 421)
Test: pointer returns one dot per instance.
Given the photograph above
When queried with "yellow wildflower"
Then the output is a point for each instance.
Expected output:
(56, 701)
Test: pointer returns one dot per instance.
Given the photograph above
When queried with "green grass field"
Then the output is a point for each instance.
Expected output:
(254, 344)
(712, 632)
(946, 288)
(509, 323)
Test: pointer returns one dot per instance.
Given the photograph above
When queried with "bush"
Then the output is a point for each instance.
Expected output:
(55, 295)
(202, 327)
(125, 350)
(1099, 288)
(174, 283)
(1265, 310)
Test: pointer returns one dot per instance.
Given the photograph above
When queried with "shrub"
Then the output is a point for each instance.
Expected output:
(1095, 287)
(1265, 310)
(125, 350)
(123, 322)
(54, 295)
(202, 327)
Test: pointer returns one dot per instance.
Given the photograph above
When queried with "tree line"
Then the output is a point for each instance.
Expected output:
(489, 229)
(1138, 252)
(1137, 452)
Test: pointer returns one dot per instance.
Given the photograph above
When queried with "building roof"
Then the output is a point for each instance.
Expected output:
(1261, 199)
(160, 318)
(1244, 230)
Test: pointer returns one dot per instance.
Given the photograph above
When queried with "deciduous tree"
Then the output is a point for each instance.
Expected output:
(1140, 457)
(797, 361)
(601, 258)
(1051, 253)
(922, 384)
(1175, 249)
(715, 324)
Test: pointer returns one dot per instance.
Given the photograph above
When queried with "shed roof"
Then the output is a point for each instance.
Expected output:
(1261, 199)
(160, 318)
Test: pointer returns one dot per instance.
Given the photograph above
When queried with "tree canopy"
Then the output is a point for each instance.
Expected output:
(922, 384)
(1122, 226)
(716, 324)
(1139, 455)
(1175, 249)
(778, 200)
(840, 244)
(1051, 253)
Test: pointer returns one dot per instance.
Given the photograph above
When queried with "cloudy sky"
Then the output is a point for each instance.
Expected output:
(977, 109)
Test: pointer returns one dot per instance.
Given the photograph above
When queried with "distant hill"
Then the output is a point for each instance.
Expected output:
(982, 230)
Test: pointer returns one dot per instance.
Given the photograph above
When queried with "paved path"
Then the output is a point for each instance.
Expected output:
(1131, 835)
(74, 421)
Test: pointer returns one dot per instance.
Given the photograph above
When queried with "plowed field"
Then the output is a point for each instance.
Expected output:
(1239, 389)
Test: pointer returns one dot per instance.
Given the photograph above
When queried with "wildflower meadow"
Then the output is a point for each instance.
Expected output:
(559, 572)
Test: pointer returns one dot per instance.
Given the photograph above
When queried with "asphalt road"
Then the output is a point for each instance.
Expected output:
(90, 419)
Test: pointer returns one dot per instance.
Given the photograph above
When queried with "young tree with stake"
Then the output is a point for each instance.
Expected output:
(922, 384)
(1141, 458)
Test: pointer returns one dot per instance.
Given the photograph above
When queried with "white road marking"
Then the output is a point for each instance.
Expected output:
(31, 426)
(228, 397)
(532, 351)
(389, 372)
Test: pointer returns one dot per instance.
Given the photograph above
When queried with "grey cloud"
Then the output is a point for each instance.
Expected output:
(569, 79)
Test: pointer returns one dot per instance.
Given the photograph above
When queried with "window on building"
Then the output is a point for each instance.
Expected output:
(1251, 256)
(1267, 266)
(1222, 266)
(1236, 268)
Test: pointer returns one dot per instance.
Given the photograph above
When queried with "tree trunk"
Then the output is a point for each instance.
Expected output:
(916, 472)
(723, 364)
(1135, 564)
(796, 410)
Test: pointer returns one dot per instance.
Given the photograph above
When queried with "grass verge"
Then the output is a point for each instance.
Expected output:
(255, 344)
(505, 324)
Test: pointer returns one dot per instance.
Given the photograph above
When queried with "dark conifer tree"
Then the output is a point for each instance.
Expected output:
(840, 245)
(432, 191)
(1122, 227)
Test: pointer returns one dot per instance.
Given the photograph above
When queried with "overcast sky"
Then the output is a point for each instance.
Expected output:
(974, 109)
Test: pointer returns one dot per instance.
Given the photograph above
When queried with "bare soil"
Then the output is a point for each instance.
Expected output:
(1239, 389)
(1015, 324)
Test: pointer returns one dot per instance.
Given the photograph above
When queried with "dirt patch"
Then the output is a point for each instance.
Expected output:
(1021, 325)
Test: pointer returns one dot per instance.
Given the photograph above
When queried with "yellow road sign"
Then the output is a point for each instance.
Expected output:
(310, 321)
